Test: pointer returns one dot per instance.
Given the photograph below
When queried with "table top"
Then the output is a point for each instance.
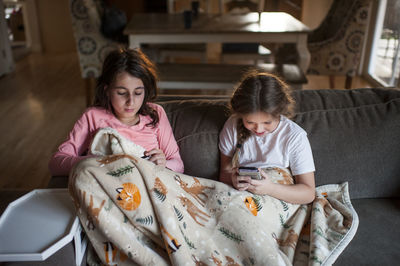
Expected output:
(254, 22)
(36, 225)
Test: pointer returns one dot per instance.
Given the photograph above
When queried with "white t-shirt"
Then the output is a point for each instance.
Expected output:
(286, 147)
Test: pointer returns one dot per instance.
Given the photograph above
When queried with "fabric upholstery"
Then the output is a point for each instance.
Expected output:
(198, 122)
(357, 144)
(351, 135)
(377, 239)
(337, 44)
(310, 100)
(91, 45)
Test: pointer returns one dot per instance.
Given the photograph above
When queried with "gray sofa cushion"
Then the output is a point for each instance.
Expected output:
(358, 144)
(196, 127)
(311, 100)
(354, 136)
(377, 238)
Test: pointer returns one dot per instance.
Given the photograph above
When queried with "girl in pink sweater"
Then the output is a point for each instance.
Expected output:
(126, 86)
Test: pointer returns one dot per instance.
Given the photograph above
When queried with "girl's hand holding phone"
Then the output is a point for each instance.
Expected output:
(262, 186)
(240, 182)
(250, 183)
(157, 156)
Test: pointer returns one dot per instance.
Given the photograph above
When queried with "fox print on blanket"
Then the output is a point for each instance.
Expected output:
(111, 252)
(170, 242)
(128, 197)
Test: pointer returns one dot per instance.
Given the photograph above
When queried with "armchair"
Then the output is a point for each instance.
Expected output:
(92, 46)
(336, 45)
(339, 52)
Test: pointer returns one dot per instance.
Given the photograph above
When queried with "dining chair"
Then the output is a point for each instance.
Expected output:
(92, 46)
(336, 45)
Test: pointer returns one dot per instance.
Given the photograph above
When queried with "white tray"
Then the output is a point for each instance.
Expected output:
(38, 224)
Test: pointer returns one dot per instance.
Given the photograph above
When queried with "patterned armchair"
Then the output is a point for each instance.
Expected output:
(336, 45)
(92, 46)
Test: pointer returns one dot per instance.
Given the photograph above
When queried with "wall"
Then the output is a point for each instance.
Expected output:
(55, 26)
(31, 22)
(314, 11)
(131, 7)
(55, 23)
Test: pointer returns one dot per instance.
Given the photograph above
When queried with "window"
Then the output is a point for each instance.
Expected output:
(384, 63)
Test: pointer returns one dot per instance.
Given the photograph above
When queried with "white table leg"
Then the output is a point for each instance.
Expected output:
(214, 52)
(133, 43)
(80, 245)
(394, 64)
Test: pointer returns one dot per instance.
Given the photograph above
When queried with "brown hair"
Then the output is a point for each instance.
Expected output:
(135, 63)
(260, 92)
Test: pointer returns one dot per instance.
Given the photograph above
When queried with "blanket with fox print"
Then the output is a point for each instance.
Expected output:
(135, 212)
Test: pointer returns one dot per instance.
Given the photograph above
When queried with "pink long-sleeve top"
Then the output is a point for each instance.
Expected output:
(75, 148)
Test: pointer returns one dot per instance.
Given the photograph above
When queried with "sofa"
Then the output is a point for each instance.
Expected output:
(355, 138)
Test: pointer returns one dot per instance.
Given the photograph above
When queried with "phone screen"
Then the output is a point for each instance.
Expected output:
(250, 171)
(244, 168)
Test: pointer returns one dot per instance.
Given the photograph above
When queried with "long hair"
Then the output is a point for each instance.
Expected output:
(260, 92)
(136, 64)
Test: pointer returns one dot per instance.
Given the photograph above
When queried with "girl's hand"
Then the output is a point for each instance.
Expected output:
(260, 187)
(240, 182)
(157, 156)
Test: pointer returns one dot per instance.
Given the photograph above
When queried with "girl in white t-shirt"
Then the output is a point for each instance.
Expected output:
(260, 134)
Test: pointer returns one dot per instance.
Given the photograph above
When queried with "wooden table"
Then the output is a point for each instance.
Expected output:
(220, 76)
(266, 27)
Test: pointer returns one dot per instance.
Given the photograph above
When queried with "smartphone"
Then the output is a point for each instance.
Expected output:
(250, 171)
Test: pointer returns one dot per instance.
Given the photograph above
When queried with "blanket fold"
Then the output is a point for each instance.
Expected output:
(135, 212)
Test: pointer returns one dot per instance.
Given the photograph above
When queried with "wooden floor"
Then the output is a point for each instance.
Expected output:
(39, 104)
